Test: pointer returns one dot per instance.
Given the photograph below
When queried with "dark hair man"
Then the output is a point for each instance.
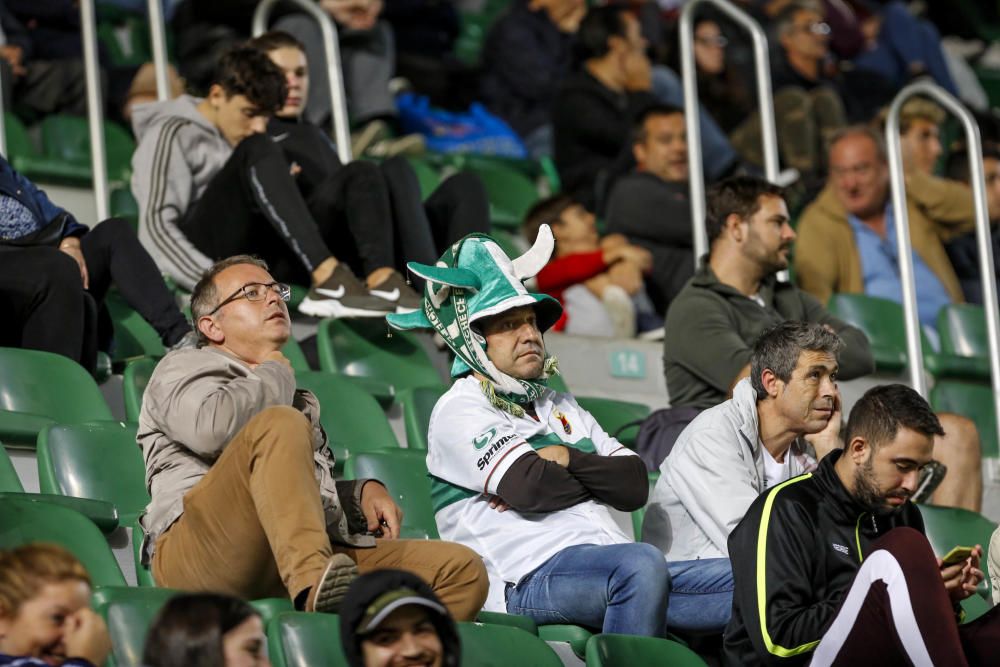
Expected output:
(833, 567)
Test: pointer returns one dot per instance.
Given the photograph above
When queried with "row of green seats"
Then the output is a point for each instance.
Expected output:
(961, 368)
(64, 155)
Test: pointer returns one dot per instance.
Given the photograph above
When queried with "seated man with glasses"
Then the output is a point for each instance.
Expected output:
(241, 476)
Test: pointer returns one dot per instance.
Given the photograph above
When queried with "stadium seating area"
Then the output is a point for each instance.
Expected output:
(71, 473)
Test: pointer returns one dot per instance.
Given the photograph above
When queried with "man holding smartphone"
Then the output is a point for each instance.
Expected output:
(833, 566)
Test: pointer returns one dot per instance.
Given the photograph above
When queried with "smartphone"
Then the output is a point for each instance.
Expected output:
(957, 555)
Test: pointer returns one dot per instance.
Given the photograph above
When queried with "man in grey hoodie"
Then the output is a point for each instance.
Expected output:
(211, 184)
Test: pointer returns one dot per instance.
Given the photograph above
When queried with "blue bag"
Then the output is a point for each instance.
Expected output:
(473, 131)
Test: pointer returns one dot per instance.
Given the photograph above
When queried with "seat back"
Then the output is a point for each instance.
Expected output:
(502, 646)
(9, 481)
(46, 386)
(99, 460)
(134, 336)
(962, 327)
(404, 474)
(66, 138)
(301, 639)
(23, 520)
(128, 613)
(611, 650)
(418, 404)
(134, 381)
(363, 347)
(614, 415)
(948, 527)
(973, 400)
(353, 420)
(882, 321)
(509, 191)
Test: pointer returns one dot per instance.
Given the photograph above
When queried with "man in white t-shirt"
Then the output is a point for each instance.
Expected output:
(731, 453)
(527, 478)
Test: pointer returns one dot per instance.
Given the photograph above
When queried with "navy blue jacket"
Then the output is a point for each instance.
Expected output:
(13, 184)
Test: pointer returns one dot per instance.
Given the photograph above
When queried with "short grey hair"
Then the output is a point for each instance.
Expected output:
(860, 131)
(205, 295)
(778, 349)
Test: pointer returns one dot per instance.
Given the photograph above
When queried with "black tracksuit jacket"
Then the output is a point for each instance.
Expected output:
(794, 556)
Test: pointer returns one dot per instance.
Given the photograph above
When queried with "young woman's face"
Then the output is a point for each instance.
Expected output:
(245, 645)
(39, 627)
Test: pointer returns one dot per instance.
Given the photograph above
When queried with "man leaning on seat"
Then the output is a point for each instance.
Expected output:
(240, 473)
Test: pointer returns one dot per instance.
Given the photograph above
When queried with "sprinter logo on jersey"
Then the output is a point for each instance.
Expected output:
(484, 439)
(491, 453)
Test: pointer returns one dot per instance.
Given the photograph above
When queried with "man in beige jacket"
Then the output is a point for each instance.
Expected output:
(856, 203)
(241, 477)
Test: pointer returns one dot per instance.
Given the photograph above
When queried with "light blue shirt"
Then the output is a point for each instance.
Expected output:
(880, 268)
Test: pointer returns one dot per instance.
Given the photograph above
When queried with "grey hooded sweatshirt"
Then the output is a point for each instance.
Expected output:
(179, 153)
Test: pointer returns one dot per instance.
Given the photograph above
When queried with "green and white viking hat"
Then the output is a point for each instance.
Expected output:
(476, 279)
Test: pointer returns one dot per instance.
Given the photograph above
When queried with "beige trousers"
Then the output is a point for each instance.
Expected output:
(254, 527)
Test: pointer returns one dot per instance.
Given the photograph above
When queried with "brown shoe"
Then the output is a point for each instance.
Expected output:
(329, 591)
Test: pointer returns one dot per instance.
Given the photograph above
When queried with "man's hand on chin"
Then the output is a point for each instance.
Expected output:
(828, 439)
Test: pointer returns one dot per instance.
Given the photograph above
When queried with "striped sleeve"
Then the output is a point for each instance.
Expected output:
(164, 190)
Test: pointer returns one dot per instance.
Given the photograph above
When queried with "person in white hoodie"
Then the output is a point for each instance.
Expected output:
(731, 453)
(211, 184)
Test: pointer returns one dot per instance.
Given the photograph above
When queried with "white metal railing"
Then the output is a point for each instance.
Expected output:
(95, 109)
(986, 269)
(331, 48)
(765, 105)
(158, 37)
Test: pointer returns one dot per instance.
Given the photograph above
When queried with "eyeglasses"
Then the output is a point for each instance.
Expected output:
(717, 41)
(257, 292)
(818, 28)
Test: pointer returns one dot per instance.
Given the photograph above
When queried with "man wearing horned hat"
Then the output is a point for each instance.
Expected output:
(527, 478)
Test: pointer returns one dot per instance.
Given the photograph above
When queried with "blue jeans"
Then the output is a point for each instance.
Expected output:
(625, 589)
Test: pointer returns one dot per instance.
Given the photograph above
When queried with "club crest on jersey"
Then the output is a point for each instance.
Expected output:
(567, 428)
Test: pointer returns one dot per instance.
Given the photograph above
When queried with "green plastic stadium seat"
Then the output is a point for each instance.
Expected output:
(23, 520)
(613, 415)
(417, 404)
(610, 650)
(574, 635)
(382, 392)
(883, 322)
(67, 139)
(293, 351)
(965, 352)
(301, 639)
(99, 460)
(134, 336)
(353, 420)
(513, 620)
(427, 175)
(640, 514)
(134, 381)
(404, 474)
(129, 612)
(363, 347)
(503, 646)
(9, 481)
(123, 204)
(948, 527)
(973, 400)
(510, 193)
(39, 388)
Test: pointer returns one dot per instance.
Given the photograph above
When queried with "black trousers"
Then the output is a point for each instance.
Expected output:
(44, 304)
(114, 255)
(254, 205)
(423, 229)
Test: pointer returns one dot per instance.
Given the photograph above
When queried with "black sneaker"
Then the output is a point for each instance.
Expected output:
(397, 292)
(343, 295)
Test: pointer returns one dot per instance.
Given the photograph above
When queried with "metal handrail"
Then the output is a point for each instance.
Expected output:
(158, 36)
(765, 104)
(95, 109)
(331, 49)
(3, 125)
(986, 269)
